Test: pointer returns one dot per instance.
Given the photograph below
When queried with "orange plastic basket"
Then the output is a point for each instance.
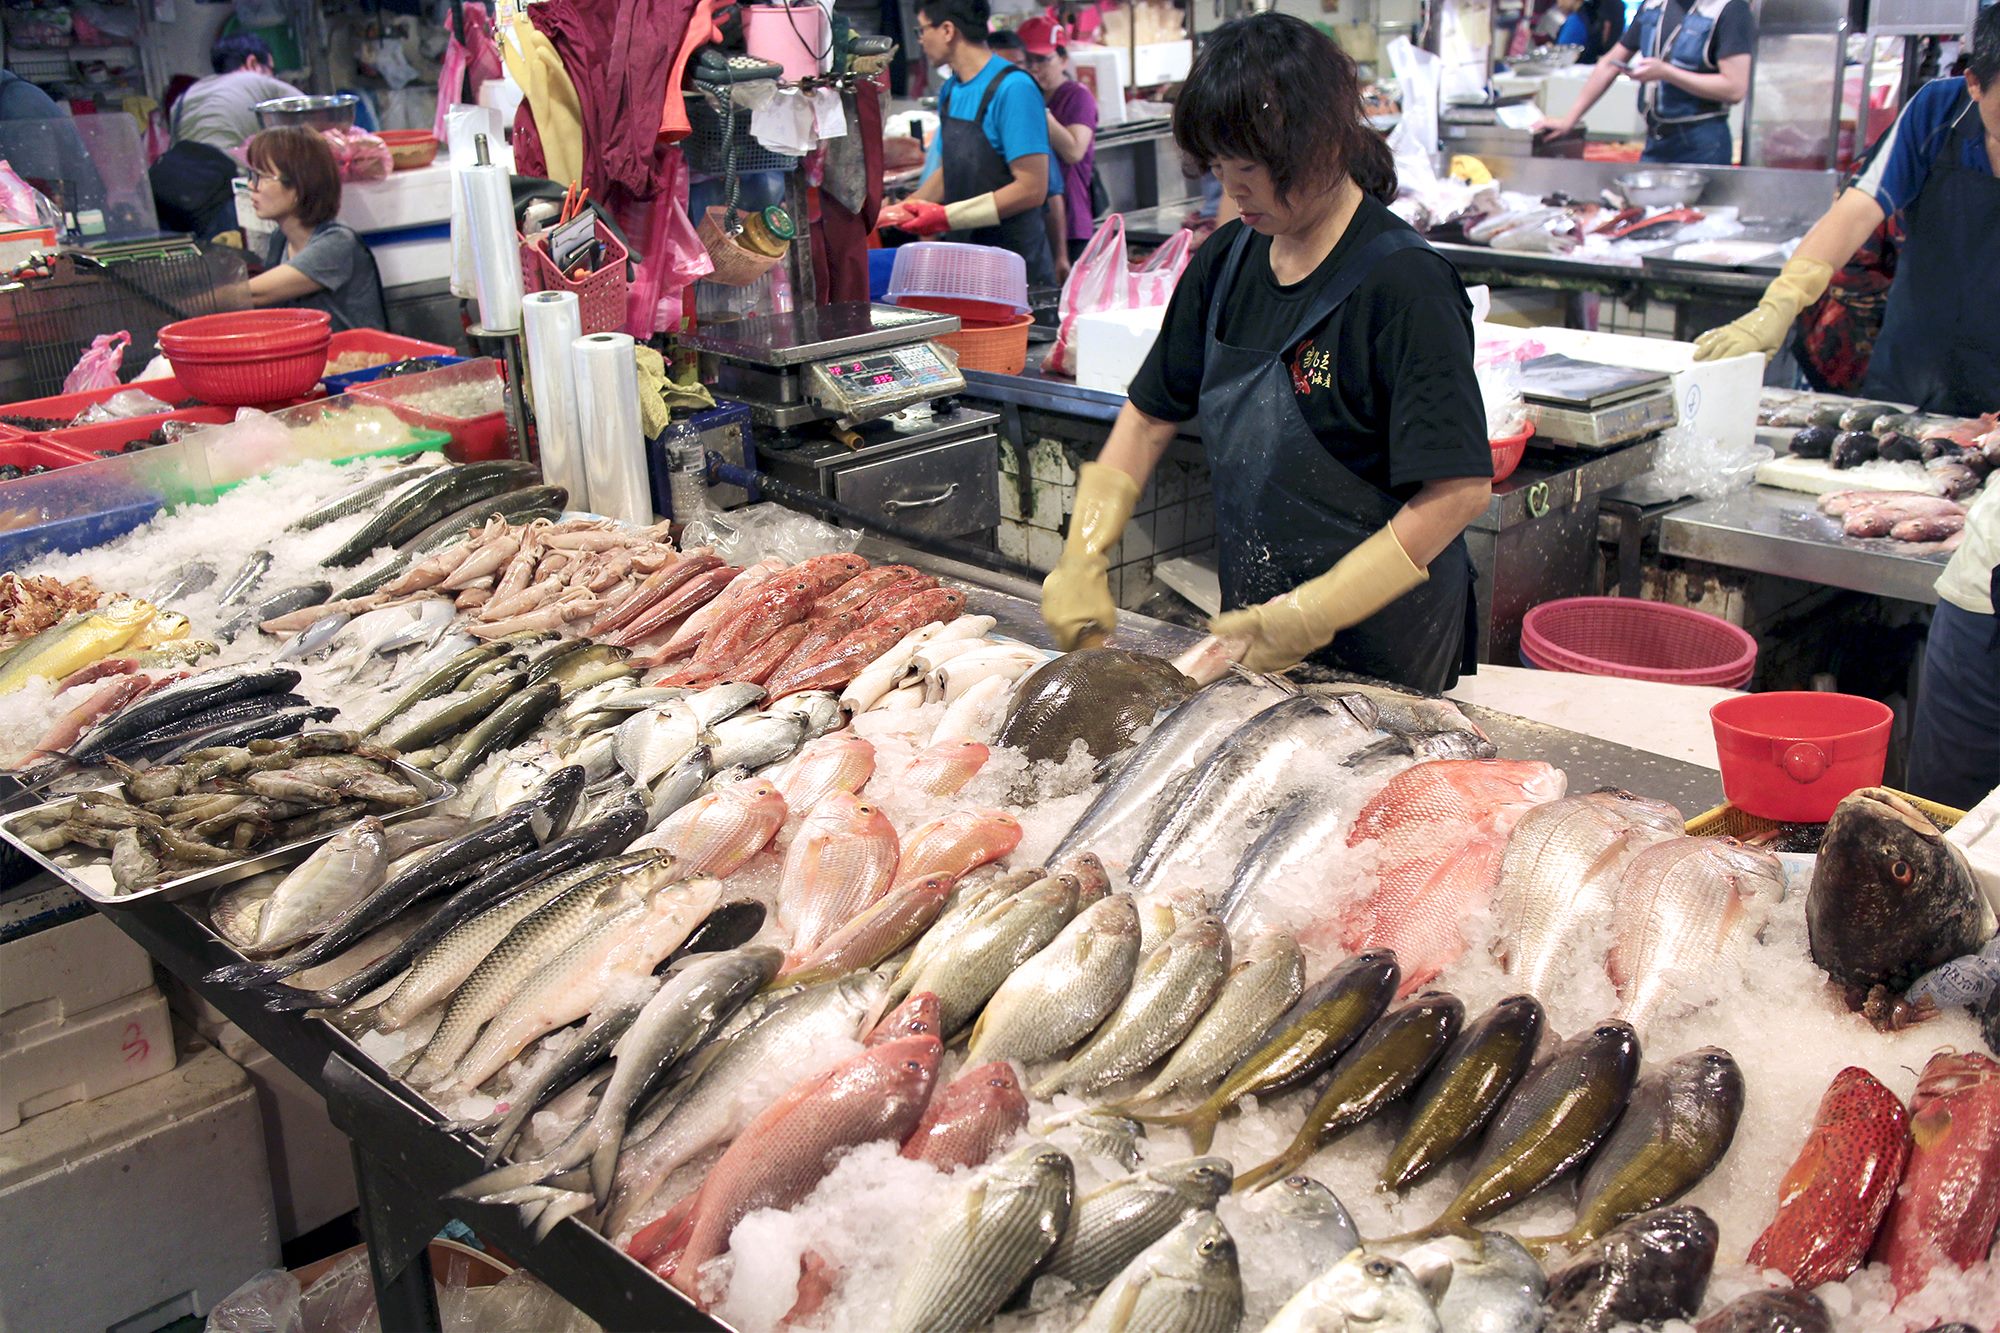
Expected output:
(998, 349)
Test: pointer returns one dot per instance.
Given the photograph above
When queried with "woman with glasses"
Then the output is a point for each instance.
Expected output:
(313, 261)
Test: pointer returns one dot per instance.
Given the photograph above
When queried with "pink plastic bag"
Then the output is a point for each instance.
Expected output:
(359, 155)
(98, 367)
(1105, 279)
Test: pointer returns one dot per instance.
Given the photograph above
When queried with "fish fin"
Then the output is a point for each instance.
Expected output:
(566, 1205)
(1284, 1164)
(603, 1166)
(290, 999)
(1388, 747)
(658, 1244)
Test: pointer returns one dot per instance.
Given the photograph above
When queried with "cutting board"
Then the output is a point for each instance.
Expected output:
(1816, 476)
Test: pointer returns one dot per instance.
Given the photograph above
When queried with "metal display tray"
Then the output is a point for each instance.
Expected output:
(96, 885)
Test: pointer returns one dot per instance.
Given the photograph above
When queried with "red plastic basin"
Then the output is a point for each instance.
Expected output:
(1792, 755)
(245, 333)
(1508, 451)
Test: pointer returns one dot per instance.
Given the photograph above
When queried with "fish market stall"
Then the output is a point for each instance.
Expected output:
(1764, 530)
(629, 1002)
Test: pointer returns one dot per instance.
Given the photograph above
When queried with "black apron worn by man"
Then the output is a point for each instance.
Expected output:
(972, 167)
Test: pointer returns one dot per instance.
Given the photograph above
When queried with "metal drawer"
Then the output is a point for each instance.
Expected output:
(948, 490)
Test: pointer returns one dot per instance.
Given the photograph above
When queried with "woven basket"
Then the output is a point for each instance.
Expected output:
(735, 264)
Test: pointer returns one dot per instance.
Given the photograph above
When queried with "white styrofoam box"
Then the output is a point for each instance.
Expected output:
(417, 198)
(1715, 398)
(133, 1210)
(53, 974)
(1111, 346)
(1099, 69)
(403, 262)
(312, 1169)
(88, 1055)
(1155, 63)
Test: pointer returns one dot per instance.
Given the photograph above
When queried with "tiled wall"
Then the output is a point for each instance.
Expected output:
(1175, 515)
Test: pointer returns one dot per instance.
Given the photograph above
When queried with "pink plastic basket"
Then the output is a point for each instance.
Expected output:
(600, 296)
(1623, 636)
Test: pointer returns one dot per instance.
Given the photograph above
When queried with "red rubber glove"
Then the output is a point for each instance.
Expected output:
(919, 217)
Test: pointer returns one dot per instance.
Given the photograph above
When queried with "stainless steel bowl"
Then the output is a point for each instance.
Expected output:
(1671, 188)
(1546, 60)
(332, 112)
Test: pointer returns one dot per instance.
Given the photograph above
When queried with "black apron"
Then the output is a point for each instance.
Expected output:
(1940, 343)
(193, 189)
(1287, 510)
(972, 167)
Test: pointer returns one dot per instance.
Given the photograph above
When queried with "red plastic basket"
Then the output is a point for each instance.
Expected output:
(1507, 452)
(113, 436)
(25, 454)
(240, 333)
(1623, 636)
(600, 296)
(1793, 755)
(65, 407)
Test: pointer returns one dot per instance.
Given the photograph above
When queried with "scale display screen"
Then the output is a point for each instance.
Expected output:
(881, 382)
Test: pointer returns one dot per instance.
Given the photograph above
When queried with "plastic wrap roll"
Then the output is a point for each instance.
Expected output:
(496, 249)
(614, 446)
(551, 322)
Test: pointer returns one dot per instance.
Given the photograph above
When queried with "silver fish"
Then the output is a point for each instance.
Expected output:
(1362, 1291)
(1316, 1221)
(315, 638)
(346, 869)
(1187, 1281)
(680, 784)
(756, 740)
(1686, 907)
(431, 620)
(965, 973)
(1168, 755)
(652, 742)
(1169, 993)
(819, 709)
(1100, 1133)
(1112, 1223)
(1259, 990)
(1304, 826)
(245, 580)
(967, 901)
(407, 836)
(1495, 1285)
(718, 703)
(1057, 998)
(182, 581)
(236, 909)
(982, 1246)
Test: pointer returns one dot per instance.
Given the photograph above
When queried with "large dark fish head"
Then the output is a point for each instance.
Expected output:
(1646, 1270)
(1102, 696)
(1890, 898)
(1781, 1310)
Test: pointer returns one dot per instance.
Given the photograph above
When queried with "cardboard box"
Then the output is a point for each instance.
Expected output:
(67, 969)
(130, 1211)
(89, 1055)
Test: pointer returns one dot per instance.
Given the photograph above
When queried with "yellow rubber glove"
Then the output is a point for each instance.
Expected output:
(1798, 285)
(1077, 605)
(1285, 629)
(982, 210)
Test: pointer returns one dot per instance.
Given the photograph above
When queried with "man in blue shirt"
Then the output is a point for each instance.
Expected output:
(987, 174)
(1940, 342)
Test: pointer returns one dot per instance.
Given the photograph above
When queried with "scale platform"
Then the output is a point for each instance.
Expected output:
(850, 361)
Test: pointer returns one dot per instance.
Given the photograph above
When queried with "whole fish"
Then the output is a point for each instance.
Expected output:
(1315, 1221)
(1775, 1311)
(245, 580)
(1100, 696)
(62, 649)
(170, 708)
(1057, 998)
(1111, 1224)
(543, 1082)
(819, 710)
(730, 926)
(1469, 1084)
(650, 591)
(1263, 985)
(313, 641)
(1558, 1114)
(967, 902)
(965, 973)
(236, 909)
(984, 1245)
(1492, 1284)
(786, 1151)
(1187, 1280)
(359, 497)
(958, 844)
(1679, 1123)
(1647, 1270)
(1949, 1205)
(1329, 1017)
(1686, 907)
(842, 762)
(970, 718)
(878, 677)
(972, 1115)
(1379, 1070)
(182, 580)
(506, 724)
(862, 587)
(435, 679)
(757, 740)
(881, 930)
(1363, 1291)
(961, 674)
(942, 770)
(803, 1034)
(679, 785)
(719, 832)
(1434, 727)
(284, 602)
(1304, 825)
(1441, 830)
(632, 942)
(1890, 898)
(653, 741)
(841, 862)
(719, 703)
(1170, 752)
(457, 713)
(1832, 1199)
(1560, 873)
(1170, 992)
(347, 868)
(426, 500)
(824, 632)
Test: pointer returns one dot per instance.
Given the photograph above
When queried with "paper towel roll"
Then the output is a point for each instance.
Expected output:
(496, 248)
(614, 447)
(551, 322)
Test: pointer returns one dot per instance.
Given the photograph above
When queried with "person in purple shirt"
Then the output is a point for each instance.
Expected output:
(1072, 136)
(1940, 344)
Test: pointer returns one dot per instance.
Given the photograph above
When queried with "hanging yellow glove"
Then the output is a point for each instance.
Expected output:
(1285, 629)
(1798, 285)
(1077, 605)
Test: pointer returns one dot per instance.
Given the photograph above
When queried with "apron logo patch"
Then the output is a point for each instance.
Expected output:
(1311, 369)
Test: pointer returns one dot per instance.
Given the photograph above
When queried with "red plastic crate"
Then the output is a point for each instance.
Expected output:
(66, 406)
(25, 454)
(1638, 640)
(392, 345)
(474, 439)
(114, 435)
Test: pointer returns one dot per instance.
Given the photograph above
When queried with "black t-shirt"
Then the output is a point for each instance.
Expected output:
(1385, 383)
(1735, 32)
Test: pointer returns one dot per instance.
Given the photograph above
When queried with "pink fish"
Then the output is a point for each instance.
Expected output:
(851, 595)
(879, 931)
(946, 767)
(109, 697)
(651, 591)
(918, 1016)
(1949, 1205)
(974, 1114)
(841, 762)
(958, 843)
(842, 860)
(697, 592)
(724, 828)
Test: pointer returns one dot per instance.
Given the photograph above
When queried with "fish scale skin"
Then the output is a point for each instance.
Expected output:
(827, 765)
(946, 767)
(965, 905)
(965, 973)
(977, 1112)
(840, 863)
(727, 827)
(879, 931)
(1467, 1088)
(1832, 1199)
(1112, 1223)
(1949, 1203)
(1185, 1282)
(1170, 992)
(1260, 989)
(958, 844)
(986, 1243)
(1058, 997)
(1101, 696)
(1685, 907)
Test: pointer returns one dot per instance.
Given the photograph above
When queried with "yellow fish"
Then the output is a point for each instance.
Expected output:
(165, 627)
(66, 648)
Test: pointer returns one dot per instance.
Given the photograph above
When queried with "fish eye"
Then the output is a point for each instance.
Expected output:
(1900, 872)
(1378, 1268)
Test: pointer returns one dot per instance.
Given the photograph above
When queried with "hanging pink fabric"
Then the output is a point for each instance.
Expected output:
(674, 256)
(466, 65)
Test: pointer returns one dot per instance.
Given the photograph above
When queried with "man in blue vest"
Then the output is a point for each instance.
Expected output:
(1691, 60)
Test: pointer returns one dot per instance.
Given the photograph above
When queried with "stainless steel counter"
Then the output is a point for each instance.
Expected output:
(1770, 531)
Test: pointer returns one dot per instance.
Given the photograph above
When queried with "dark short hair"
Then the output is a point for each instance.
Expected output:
(1985, 62)
(970, 17)
(237, 49)
(1004, 39)
(1274, 90)
(296, 155)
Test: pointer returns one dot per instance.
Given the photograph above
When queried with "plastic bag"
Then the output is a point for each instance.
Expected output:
(1689, 464)
(359, 155)
(267, 1303)
(766, 531)
(22, 205)
(1104, 278)
(98, 367)
(1500, 393)
(119, 406)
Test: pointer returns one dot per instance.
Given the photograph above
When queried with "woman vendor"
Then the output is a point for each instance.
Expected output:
(1326, 352)
(314, 261)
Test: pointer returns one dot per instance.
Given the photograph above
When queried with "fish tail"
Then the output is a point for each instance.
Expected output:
(243, 974)
(567, 1204)
(603, 1169)
(1540, 1245)
(1284, 1164)
(290, 999)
